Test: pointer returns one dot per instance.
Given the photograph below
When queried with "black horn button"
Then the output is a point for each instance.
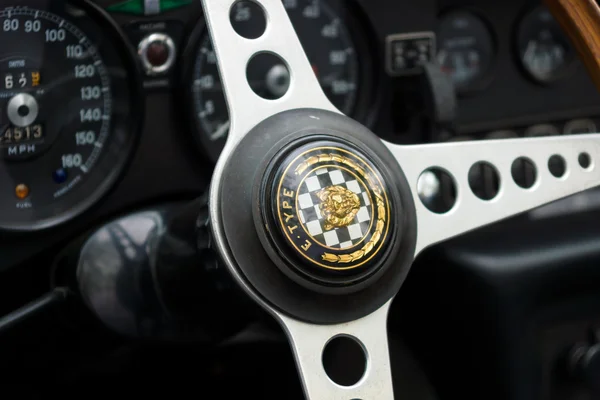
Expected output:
(317, 216)
(328, 213)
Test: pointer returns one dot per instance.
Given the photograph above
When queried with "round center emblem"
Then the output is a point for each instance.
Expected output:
(335, 207)
(331, 207)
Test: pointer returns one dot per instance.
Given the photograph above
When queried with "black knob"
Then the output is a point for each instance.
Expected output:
(584, 361)
(153, 274)
(192, 283)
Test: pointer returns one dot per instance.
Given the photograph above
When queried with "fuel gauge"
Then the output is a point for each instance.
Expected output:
(544, 50)
(466, 50)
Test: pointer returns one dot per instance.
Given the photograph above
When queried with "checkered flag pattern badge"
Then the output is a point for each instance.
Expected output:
(310, 213)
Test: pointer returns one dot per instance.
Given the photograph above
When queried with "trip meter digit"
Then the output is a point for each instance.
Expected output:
(466, 50)
(329, 46)
(59, 131)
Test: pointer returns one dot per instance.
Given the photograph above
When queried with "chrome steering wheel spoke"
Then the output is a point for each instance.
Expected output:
(308, 342)
(470, 212)
(246, 110)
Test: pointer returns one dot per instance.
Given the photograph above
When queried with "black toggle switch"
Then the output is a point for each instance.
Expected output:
(584, 365)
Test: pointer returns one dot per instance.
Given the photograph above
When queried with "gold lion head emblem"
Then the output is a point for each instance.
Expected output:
(338, 206)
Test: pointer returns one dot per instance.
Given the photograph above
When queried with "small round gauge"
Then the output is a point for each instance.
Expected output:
(579, 126)
(65, 113)
(542, 130)
(329, 45)
(544, 50)
(466, 50)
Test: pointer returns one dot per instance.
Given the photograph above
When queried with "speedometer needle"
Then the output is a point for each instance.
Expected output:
(221, 131)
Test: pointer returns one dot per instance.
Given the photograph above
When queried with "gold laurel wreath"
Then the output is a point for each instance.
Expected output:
(368, 247)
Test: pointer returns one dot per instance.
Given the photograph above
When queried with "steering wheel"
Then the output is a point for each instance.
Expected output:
(319, 220)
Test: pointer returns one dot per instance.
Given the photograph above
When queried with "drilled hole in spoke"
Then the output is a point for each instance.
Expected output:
(437, 190)
(484, 180)
(344, 360)
(524, 172)
(557, 166)
(268, 76)
(248, 19)
(585, 161)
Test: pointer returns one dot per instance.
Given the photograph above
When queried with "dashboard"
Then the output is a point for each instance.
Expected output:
(109, 100)
(111, 106)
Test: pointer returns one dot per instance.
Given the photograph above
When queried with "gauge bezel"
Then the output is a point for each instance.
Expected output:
(565, 72)
(370, 85)
(129, 127)
(570, 123)
(486, 79)
(547, 129)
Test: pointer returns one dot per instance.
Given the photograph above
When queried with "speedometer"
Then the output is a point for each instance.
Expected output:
(65, 125)
(329, 45)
